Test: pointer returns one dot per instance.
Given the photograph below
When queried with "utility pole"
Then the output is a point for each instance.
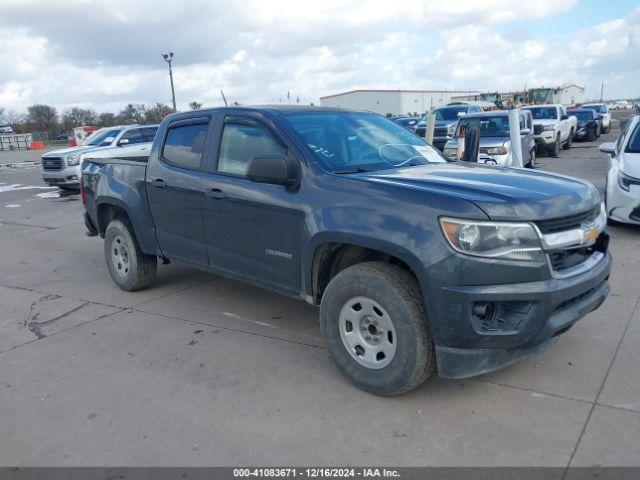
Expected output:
(601, 91)
(168, 57)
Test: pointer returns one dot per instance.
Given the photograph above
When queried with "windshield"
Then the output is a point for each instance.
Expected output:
(543, 113)
(634, 141)
(102, 138)
(582, 115)
(596, 108)
(348, 142)
(449, 113)
(490, 126)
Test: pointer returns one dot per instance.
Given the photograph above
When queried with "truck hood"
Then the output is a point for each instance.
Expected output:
(70, 150)
(503, 193)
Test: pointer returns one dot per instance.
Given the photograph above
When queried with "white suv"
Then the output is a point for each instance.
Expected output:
(62, 167)
(622, 194)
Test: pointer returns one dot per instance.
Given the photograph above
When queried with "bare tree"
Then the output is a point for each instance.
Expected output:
(195, 105)
(42, 118)
(106, 119)
(156, 113)
(76, 117)
(132, 114)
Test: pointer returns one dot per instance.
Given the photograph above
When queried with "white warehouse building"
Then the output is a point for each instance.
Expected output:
(395, 102)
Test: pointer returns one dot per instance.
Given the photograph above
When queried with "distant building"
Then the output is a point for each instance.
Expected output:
(394, 102)
(564, 95)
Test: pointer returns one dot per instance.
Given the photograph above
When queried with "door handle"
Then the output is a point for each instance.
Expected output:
(158, 183)
(216, 194)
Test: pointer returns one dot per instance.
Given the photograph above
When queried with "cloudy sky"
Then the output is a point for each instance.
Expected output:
(104, 54)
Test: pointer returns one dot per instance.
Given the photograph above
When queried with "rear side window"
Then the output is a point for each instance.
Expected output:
(133, 136)
(184, 145)
(634, 141)
(240, 143)
(148, 134)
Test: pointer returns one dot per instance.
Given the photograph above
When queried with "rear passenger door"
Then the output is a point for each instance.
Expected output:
(252, 229)
(176, 190)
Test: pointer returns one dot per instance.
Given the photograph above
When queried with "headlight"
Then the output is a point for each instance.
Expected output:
(497, 150)
(451, 129)
(499, 240)
(450, 152)
(548, 128)
(625, 181)
(73, 160)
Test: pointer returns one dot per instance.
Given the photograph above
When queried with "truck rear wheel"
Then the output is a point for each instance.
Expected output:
(375, 328)
(129, 267)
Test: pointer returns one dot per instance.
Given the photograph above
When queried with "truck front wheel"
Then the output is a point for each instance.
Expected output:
(554, 150)
(129, 267)
(374, 326)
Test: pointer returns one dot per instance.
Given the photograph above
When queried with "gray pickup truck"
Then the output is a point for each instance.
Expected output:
(418, 265)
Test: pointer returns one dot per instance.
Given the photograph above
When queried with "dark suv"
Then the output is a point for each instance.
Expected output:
(418, 265)
(446, 120)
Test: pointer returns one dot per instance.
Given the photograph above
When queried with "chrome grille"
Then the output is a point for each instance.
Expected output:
(52, 163)
(567, 223)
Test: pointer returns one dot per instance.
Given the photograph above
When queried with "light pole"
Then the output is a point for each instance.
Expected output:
(168, 57)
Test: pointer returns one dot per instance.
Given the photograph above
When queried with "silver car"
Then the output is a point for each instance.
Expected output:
(495, 142)
(62, 167)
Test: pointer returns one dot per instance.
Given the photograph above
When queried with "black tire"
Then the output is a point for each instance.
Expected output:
(591, 135)
(606, 130)
(532, 159)
(567, 144)
(554, 150)
(139, 271)
(398, 293)
(67, 188)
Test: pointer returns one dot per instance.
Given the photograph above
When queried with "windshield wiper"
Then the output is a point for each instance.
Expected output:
(351, 170)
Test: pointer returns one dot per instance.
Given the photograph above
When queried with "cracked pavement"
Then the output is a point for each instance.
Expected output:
(200, 370)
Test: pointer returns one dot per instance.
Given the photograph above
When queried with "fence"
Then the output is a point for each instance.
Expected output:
(15, 141)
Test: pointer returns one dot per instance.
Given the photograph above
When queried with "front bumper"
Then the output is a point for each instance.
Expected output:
(68, 176)
(526, 318)
(546, 138)
(622, 206)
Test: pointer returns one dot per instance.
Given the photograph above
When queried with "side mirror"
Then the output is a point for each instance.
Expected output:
(272, 169)
(123, 141)
(608, 147)
(564, 116)
(525, 131)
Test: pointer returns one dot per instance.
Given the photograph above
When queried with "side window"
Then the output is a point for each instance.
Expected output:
(133, 136)
(184, 145)
(240, 143)
(621, 137)
(148, 134)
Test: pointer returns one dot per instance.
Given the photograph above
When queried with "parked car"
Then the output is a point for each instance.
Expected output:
(137, 152)
(622, 193)
(553, 127)
(589, 124)
(5, 129)
(495, 142)
(418, 265)
(62, 167)
(446, 119)
(410, 123)
(601, 109)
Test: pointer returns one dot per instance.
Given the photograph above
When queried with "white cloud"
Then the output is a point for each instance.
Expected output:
(256, 51)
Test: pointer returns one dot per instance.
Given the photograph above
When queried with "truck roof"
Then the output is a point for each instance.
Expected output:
(277, 109)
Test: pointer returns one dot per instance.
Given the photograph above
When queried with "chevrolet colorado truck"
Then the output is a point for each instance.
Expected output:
(418, 265)
(553, 127)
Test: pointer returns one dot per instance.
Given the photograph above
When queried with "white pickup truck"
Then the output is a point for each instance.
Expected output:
(553, 128)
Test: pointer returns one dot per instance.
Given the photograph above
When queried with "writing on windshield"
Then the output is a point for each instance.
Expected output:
(345, 141)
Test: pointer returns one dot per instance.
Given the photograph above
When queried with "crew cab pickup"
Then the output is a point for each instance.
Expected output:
(553, 127)
(418, 265)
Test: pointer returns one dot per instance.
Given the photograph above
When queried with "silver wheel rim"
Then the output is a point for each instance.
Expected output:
(367, 332)
(120, 256)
